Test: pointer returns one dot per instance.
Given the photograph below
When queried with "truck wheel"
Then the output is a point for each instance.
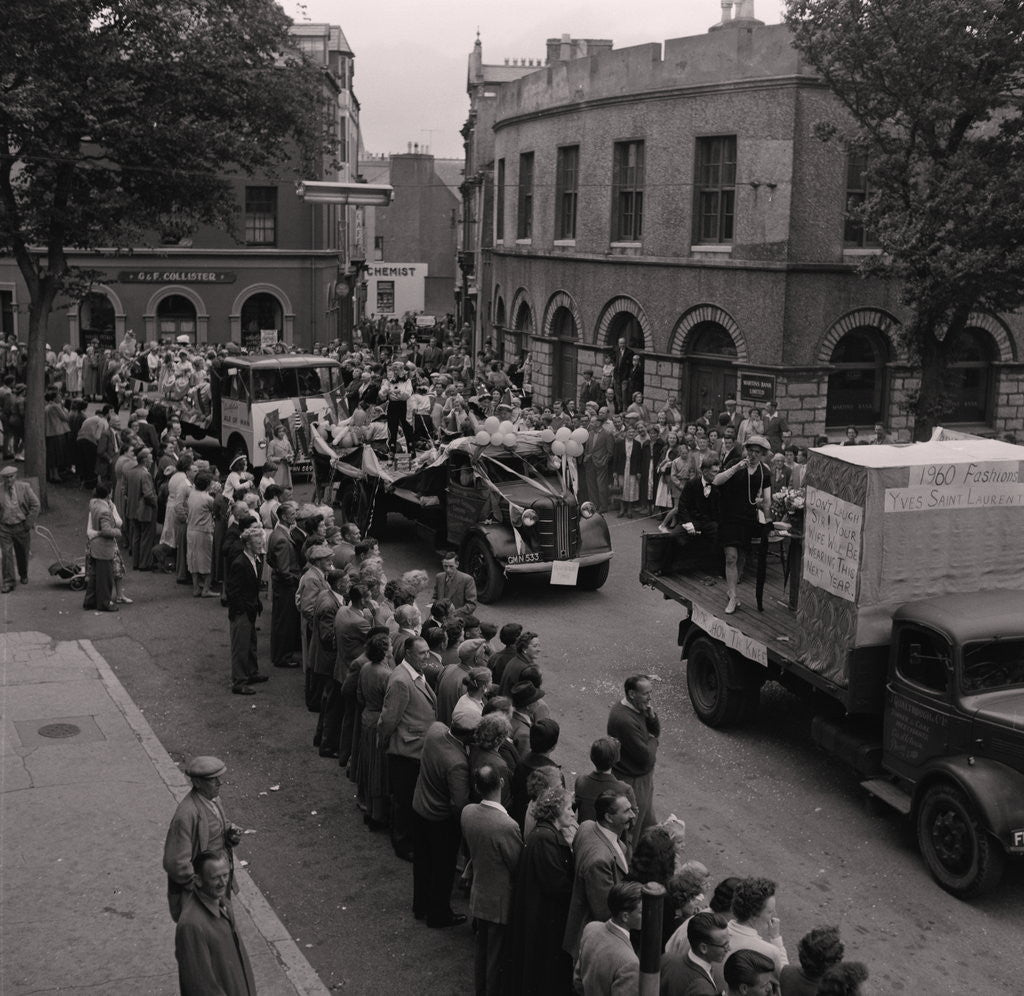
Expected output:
(593, 577)
(484, 569)
(707, 683)
(959, 852)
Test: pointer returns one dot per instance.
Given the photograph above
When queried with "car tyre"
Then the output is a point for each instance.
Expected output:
(481, 564)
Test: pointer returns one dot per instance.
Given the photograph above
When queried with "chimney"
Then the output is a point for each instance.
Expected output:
(408, 148)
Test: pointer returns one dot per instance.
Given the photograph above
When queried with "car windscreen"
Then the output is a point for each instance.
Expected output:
(992, 665)
(294, 382)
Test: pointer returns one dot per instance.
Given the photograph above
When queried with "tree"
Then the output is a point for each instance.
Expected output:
(931, 91)
(127, 116)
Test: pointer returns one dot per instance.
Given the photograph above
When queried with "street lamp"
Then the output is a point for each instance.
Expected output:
(352, 194)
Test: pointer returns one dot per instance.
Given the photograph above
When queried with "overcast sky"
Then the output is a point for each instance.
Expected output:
(411, 55)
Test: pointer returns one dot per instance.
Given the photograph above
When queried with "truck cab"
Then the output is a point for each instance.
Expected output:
(953, 732)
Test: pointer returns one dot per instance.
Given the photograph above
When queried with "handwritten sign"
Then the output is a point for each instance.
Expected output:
(832, 531)
(936, 486)
(720, 630)
(564, 571)
(268, 337)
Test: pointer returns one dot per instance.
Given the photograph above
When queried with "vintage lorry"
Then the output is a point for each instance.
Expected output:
(507, 511)
(250, 395)
(906, 633)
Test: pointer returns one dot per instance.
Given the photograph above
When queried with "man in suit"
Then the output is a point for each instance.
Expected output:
(598, 452)
(495, 845)
(692, 973)
(409, 623)
(623, 369)
(285, 639)
(408, 710)
(734, 413)
(140, 510)
(312, 584)
(693, 523)
(601, 862)
(607, 964)
(455, 586)
(774, 425)
(440, 795)
(244, 605)
(590, 390)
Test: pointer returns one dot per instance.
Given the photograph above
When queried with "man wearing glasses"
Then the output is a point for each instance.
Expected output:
(692, 973)
(198, 825)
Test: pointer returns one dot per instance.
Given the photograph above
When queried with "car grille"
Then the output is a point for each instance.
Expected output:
(558, 531)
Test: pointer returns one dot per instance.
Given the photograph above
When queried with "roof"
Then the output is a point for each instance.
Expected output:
(286, 362)
(969, 616)
(917, 454)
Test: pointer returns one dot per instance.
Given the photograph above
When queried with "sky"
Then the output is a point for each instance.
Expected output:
(410, 55)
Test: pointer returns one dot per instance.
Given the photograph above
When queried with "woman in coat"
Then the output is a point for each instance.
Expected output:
(199, 526)
(102, 536)
(541, 901)
(371, 763)
(280, 451)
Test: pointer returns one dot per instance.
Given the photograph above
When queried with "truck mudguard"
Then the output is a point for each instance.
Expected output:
(594, 535)
(996, 790)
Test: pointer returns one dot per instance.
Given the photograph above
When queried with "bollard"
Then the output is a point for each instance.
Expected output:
(650, 939)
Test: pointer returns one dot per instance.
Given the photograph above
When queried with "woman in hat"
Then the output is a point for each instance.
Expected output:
(745, 494)
(239, 478)
(280, 451)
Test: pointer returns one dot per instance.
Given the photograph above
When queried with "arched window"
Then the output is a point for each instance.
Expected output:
(857, 388)
(524, 318)
(96, 320)
(261, 313)
(969, 376)
(628, 327)
(499, 313)
(563, 325)
(710, 339)
(175, 316)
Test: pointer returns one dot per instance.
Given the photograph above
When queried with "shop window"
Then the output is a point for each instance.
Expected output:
(857, 387)
(628, 192)
(524, 214)
(566, 191)
(715, 190)
(969, 377)
(261, 216)
(385, 297)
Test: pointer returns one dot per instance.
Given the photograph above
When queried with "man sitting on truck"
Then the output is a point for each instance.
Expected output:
(694, 520)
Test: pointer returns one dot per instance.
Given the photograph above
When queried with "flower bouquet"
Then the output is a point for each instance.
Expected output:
(788, 507)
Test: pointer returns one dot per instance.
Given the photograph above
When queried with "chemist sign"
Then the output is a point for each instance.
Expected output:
(832, 539)
(394, 289)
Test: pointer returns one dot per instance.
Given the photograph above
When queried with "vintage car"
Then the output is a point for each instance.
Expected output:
(507, 511)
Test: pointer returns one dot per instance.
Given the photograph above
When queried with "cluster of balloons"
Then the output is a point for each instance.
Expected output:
(497, 433)
(566, 441)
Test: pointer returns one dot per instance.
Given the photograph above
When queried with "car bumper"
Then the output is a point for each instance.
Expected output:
(544, 566)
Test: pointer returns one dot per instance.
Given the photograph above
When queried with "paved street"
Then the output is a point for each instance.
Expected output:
(763, 801)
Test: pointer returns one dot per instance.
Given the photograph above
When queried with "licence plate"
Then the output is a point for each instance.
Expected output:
(524, 558)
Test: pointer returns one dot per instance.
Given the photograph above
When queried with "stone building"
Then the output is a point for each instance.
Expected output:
(675, 196)
(419, 229)
(279, 275)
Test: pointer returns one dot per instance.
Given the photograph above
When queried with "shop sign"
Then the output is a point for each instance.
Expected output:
(756, 388)
(176, 277)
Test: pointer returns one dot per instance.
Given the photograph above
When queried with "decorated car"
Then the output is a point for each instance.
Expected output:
(505, 499)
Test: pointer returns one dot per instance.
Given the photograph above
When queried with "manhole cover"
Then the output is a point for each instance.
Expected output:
(59, 731)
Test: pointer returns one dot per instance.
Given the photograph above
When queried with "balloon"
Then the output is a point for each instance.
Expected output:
(506, 427)
(497, 439)
(580, 436)
(564, 433)
(492, 425)
(547, 436)
(573, 448)
(558, 447)
(511, 439)
(483, 437)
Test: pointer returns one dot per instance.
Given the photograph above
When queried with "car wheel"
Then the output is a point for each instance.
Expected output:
(961, 855)
(484, 569)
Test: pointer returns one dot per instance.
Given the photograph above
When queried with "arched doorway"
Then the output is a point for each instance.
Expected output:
(969, 376)
(712, 369)
(96, 318)
(261, 313)
(175, 316)
(563, 359)
(857, 387)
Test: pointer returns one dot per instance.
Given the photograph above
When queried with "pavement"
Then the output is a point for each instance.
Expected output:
(86, 794)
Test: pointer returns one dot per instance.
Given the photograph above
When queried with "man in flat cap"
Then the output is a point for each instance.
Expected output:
(19, 509)
(198, 825)
(242, 589)
(140, 506)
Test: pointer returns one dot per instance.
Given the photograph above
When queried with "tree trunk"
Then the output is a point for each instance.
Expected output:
(931, 401)
(35, 427)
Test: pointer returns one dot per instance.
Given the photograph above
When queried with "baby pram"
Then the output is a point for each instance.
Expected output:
(71, 572)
